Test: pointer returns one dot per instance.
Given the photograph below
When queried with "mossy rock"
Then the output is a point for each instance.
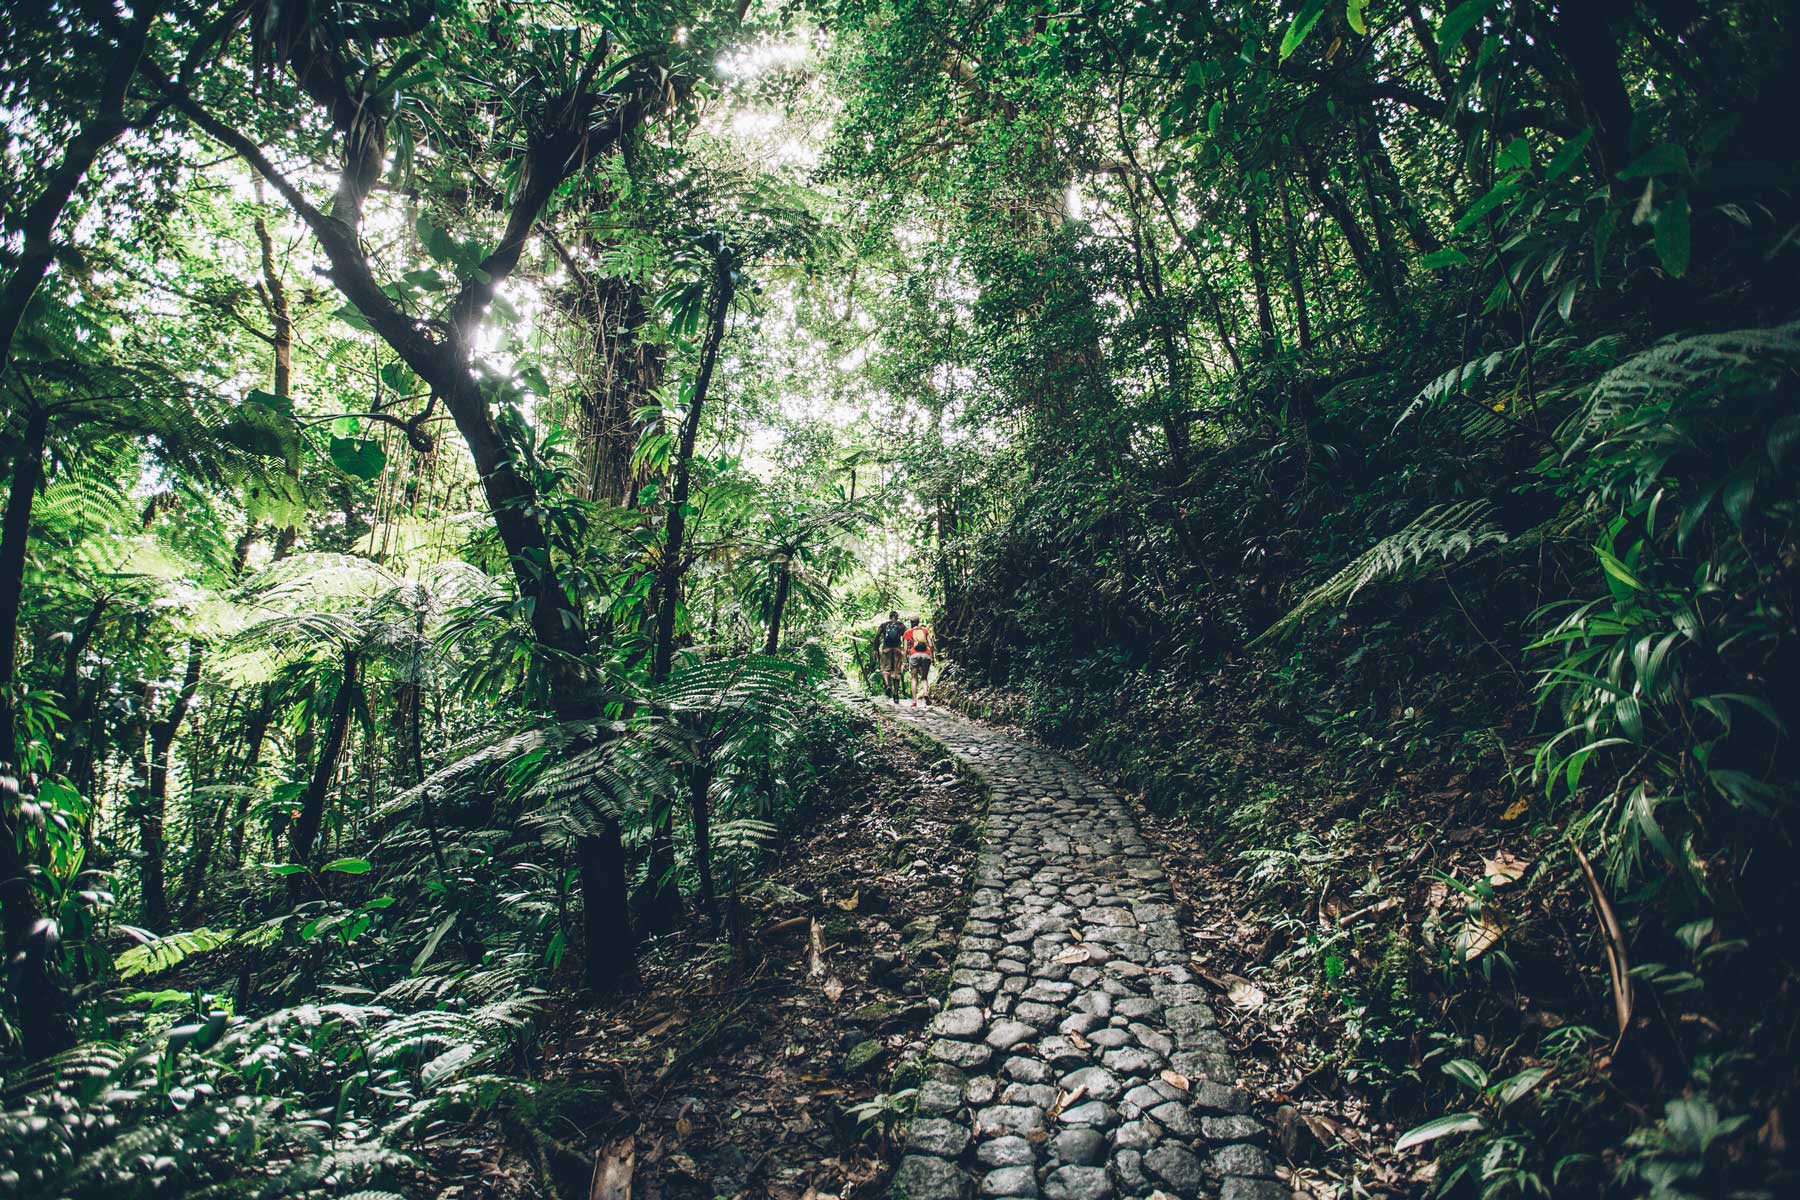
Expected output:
(877, 1013)
(864, 1056)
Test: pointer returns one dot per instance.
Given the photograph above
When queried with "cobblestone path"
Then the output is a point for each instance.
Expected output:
(1075, 1058)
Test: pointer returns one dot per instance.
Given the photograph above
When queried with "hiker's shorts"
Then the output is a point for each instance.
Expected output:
(893, 660)
(921, 665)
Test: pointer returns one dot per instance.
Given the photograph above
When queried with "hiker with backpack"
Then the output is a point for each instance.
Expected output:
(890, 655)
(918, 657)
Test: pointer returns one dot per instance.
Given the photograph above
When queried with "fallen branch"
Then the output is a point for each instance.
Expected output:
(1617, 962)
(1368, 910)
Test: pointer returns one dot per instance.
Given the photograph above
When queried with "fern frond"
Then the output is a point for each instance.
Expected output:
(1443, 533)
(158, 954)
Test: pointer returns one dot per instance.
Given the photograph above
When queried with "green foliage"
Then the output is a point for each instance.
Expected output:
(1440, 535)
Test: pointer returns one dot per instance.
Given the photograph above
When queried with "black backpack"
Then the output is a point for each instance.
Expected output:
(892, 634)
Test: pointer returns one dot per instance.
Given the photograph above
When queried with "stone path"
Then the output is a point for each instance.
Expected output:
(1075, 1058)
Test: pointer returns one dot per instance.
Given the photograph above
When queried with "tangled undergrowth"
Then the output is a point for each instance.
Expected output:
(1512, 892)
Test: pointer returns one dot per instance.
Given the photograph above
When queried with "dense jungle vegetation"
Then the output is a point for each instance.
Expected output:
(457, 452)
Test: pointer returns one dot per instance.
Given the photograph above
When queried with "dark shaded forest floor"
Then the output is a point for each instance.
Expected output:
(723, 1077)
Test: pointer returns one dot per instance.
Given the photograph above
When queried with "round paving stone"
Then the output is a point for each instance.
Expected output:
(934, 1135)
(958, 1022)
(1176, 1166)
(966, 1055)
(1100, 1084)
(1078, 1183)
(1010, 1181)
(999, 1119)
(1241, 1159)
(1080, 1147)
(1008, 1033)
(1012, 1151)
(922, 1177)
(1026, 1070)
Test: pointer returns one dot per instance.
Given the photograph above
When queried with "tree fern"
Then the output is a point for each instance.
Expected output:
(1443, 533)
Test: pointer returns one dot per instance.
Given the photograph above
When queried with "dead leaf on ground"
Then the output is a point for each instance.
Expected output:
(1176, 1079)
(833, 988)
(613, 1168)
(1478, 934)
(1073, 954)
(1328, 1130)
(1245, 994)
(1504, 868)
(815, 950)
(1079, 1042)
(1516, 809)
(849, 903)
(668, 1022)
(1066, 1100)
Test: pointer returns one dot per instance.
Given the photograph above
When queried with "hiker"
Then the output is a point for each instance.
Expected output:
(890, 655)
(918, 656)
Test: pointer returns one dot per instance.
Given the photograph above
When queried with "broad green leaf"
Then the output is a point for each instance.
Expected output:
(1671, 236)
(1499, 194)
(1303, 23)
(1510, 1090)
(1569, 155)
(1449, 256)
(361, 457)
(432, 942)
(1458, 21)
(349, 866)
(1356, 12)
(1516, 156)
(1467, 1072)
(1432, 1130)
(1666, 159)
(1610, 563)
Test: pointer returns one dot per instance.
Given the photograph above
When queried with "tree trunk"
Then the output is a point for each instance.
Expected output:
(1366, 259)
(281, 340)
(1296, 286)
(38, 224)
(783, 587)
(254, 733)
(208, 828)
(700, 806)
(15, 534)
(312, 804)
(154, 866)
(1426, 36)
(628, 371)
(600, 861)
(42, 1003)
(1583, 35)
(671, 568)
(1259, 277)
(660, 897)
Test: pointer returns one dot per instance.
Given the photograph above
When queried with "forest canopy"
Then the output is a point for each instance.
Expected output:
(458, 454)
